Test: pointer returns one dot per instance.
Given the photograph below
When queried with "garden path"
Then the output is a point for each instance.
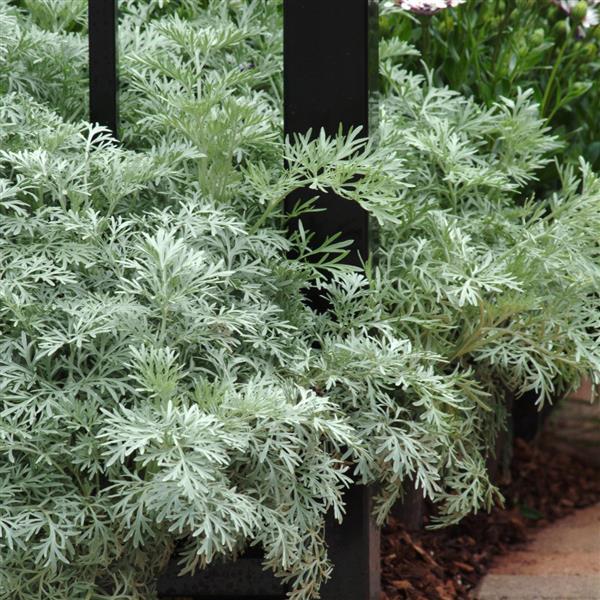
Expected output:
(561, 561)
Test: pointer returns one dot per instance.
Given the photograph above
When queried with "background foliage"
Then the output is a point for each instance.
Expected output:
(490, 48)
(164, 387)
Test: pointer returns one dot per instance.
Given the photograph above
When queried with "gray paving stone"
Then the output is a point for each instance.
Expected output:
(539, 587)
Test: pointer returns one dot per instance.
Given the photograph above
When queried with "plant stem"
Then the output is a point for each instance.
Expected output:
(551, 79)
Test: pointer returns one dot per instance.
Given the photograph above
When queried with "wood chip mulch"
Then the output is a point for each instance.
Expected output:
(546, 483)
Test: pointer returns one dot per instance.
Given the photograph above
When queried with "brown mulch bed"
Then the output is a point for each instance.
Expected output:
(546, 484)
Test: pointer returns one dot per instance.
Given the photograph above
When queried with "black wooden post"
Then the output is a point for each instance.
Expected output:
(330, 79)
(102, 37)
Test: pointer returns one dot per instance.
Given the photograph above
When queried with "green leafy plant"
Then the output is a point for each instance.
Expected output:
(166, 391)
(489, 49)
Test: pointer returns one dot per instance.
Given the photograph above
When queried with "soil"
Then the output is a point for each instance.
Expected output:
(547, 482)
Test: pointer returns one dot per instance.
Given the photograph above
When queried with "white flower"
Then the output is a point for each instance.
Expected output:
(592, 18)
(427, 7)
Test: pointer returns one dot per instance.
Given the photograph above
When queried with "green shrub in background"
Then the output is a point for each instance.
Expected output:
(489, 48)
(163, 385)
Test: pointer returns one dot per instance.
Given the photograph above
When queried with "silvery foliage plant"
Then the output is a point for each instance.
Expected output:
(166, 390)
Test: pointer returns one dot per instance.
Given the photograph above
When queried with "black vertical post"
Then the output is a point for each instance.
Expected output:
(102, 35)
(330, 79)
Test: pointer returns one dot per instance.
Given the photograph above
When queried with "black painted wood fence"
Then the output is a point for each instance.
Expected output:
(330, 79)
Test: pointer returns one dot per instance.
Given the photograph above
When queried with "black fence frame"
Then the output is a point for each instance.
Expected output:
(330, 80)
